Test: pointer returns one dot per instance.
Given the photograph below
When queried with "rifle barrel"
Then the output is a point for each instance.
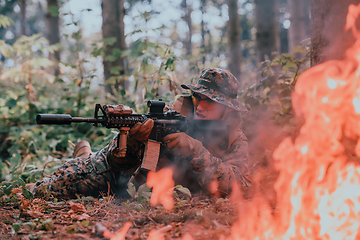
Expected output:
(63, 119)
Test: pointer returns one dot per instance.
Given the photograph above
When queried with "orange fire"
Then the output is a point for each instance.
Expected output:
(163, 185)
(318, 188)
(119, 235)
(155, 235)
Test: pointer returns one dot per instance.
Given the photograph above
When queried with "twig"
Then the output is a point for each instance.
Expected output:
(165, 229)
(150, 219)
(218, 225)
(71, 143)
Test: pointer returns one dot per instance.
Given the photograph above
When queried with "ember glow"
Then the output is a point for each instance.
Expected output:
(318, 188)
(163, 185)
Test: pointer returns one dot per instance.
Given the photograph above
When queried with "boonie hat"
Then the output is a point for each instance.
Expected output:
(220, 86)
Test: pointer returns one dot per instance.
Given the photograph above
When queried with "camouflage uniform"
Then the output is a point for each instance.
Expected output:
(102, 170)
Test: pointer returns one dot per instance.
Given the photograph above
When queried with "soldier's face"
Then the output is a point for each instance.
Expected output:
(207, 109)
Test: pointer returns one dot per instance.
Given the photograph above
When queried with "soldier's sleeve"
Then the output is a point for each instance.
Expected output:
(132, 159)
(232, 167)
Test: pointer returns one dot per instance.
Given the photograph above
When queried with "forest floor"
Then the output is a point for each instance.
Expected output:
(104, 218)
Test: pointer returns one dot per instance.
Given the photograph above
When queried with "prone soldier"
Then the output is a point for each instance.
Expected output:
(197, 164)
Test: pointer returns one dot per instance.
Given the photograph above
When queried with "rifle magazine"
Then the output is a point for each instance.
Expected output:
(151, 155)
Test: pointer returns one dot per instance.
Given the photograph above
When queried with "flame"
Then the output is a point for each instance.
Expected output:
(214, 189)
(156, 235)
(187, 236)
(119, 235)
(162, 184)
(318, 187)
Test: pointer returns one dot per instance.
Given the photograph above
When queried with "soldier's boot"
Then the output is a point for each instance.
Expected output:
(82, 149)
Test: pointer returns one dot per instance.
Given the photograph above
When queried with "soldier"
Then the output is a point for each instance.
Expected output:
(197, 165)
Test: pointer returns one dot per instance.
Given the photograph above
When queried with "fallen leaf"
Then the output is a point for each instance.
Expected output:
(25, 203)
(77, 207)
(16, 190)
(81, 217)
(35, 214)
(46, 224)
(85, 223)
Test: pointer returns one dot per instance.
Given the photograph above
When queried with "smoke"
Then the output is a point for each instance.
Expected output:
(265, 129)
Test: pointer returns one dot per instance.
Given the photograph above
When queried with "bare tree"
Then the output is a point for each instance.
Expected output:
(113, 13)
(53, 33)
(267, 29)
(300, 22)
(234, 33)
(328, 39)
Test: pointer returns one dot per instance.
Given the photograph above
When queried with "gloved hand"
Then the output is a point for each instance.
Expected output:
(141, 131)
(182, 144)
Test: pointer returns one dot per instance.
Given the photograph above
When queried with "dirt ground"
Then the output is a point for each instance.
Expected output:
(92, 218)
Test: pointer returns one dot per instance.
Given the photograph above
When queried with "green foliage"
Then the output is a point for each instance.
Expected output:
(277, 81)
(183, 190)
(149, 73)
(30, 151)
(8, 190)
(5, 21)
(53, 10)
(16, 227)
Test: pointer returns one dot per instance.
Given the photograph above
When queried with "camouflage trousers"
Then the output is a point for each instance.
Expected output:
(89, 176)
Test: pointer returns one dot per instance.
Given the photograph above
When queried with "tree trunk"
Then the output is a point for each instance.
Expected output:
(328, 39)
(299, 28)
(308, 20)
(202, 9)
(267, 29)
(113, 13)
(22, 17)
(53, 35)
(187, 18)
(234, 33)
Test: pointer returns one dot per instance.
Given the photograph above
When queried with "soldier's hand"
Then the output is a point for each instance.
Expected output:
(182, 144)
(141, 131)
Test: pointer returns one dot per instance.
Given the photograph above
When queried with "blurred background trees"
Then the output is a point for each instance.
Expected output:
(65, 56)
(201, 33)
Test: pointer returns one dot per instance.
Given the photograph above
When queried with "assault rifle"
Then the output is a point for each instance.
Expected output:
(122, 118)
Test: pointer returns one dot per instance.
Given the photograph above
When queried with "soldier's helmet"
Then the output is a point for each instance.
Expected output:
(220, 86)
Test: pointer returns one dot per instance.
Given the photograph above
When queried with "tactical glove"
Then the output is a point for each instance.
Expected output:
(141, 131)
(183, 145)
